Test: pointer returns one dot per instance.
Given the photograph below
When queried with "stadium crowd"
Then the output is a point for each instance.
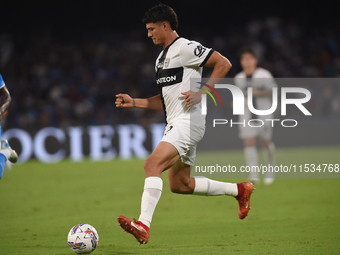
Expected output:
(62, 80)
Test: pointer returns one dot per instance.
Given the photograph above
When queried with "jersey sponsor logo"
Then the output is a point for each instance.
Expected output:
(199, 50)
(170, 76)
(166, 79)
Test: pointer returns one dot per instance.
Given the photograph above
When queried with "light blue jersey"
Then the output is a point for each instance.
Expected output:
(3, 159)
(2, 83)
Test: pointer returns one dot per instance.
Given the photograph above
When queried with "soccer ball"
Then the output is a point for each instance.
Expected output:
(83, 239)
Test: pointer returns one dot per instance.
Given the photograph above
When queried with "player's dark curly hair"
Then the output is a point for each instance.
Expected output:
(160, 13)
(249, 50)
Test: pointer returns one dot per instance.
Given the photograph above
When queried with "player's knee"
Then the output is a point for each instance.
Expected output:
(150, 167)
(265, 143)
(249, 142)
(147, 165)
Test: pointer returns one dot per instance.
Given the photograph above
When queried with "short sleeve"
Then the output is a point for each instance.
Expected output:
(2, 83)
(194, 54)
(240, 81)
(269, 81)
(263, 79)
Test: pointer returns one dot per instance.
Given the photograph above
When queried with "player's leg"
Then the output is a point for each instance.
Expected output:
(8, 165)
(248, 135)
(3, 160)
(163, 157)
(268, 149)
(179, 179)
(181, 182)
(251, 158)
(6, 153)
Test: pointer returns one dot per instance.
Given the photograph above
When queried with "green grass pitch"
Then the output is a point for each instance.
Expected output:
(39, 203)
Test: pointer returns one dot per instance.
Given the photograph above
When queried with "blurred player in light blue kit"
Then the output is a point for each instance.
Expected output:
(6, 152)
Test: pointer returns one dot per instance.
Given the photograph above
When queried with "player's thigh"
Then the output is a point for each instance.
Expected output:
(163, 157)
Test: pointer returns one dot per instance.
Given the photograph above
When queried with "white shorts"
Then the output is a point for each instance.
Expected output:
(185, 138)
(248, 131)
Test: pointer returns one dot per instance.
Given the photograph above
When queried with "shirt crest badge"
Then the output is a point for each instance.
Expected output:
(166, 62)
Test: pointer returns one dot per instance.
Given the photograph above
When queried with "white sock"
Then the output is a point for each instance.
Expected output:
(269, 158)
(6, 153)
(207, 187)
(152, 192)
(250, 154)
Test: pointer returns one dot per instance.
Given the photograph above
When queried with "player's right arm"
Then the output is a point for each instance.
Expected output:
(152, 103)
(5, 97)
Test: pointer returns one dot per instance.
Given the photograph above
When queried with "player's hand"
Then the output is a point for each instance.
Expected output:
(124, 100)
(191, 97)
(3, 114)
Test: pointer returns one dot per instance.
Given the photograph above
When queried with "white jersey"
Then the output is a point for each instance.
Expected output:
(175, 66)
(262, 80)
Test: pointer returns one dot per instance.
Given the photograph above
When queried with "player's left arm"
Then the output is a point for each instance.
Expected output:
(5, 100)
(221, 66)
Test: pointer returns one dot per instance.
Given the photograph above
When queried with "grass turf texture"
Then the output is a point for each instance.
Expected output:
(39, 203)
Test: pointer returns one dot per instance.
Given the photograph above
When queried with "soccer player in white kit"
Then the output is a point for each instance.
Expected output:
(179, 61)
(262, 83)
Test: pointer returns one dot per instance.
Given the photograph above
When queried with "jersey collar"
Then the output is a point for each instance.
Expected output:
(167, 47)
